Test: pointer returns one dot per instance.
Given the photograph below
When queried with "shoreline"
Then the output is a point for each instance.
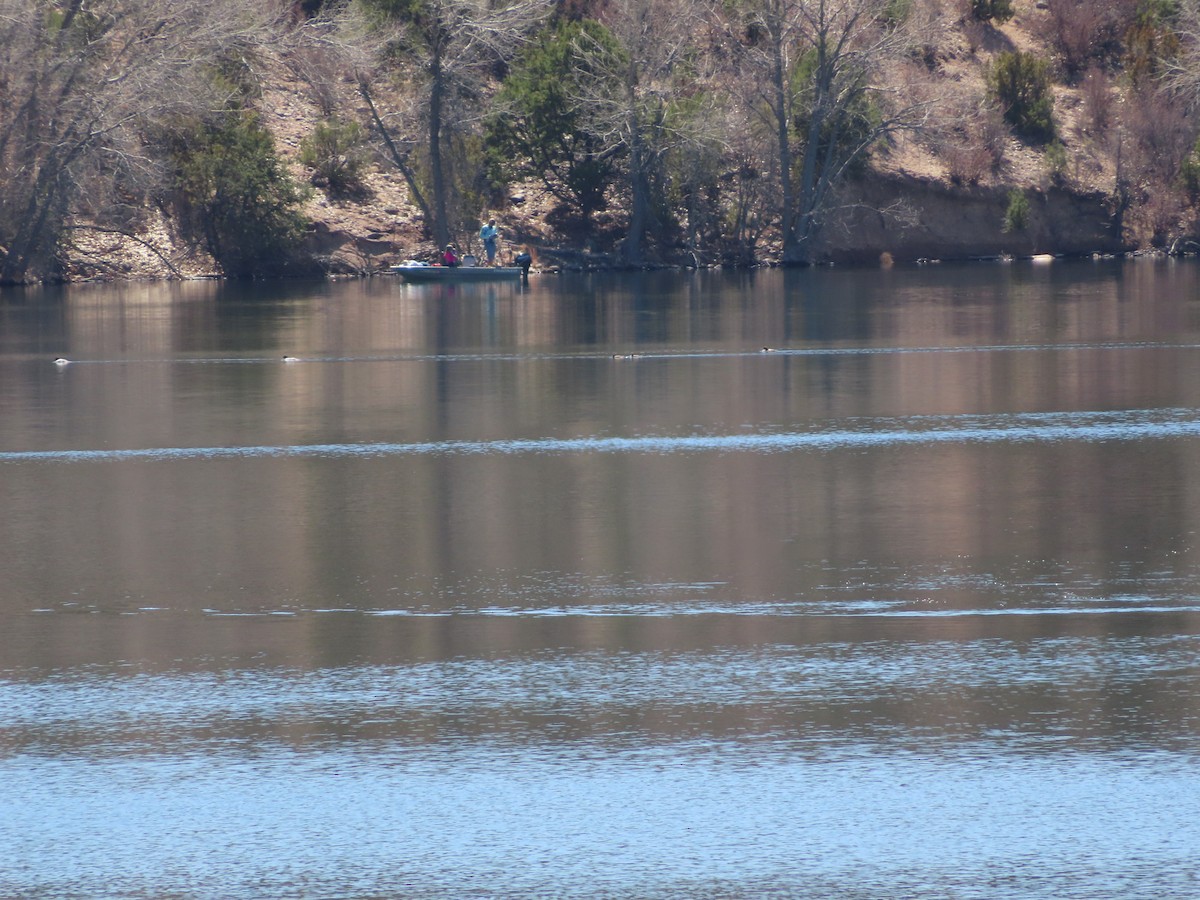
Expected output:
(557, 269)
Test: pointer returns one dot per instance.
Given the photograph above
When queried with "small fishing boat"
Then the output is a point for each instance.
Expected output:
(422, 273)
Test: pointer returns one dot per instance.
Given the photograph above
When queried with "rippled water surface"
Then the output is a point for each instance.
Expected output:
(824, 584)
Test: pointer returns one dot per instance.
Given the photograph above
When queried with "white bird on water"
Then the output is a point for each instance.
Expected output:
(291, 359)
(62, 361)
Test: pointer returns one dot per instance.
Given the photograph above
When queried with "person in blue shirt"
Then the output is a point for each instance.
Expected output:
(488, 234)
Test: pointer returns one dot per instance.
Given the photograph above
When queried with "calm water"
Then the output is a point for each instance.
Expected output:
(573, 590)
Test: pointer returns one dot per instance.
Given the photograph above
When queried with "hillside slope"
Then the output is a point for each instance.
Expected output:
(947, 189)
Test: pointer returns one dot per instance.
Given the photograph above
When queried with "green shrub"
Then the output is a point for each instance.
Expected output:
(896, 12)
(336, 152)
(1020, 83)
(992, 10)
(540, 129)
(1189, 173)
(1056, 161)
(1016, 217)
(1150, 41)
(234, 195)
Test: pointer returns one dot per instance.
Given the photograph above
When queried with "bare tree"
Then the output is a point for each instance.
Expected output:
(811, 74)
(439, 53)
(1181, 69)
(345, 39)
(634, 108)
(1086, 33)
(79, 82)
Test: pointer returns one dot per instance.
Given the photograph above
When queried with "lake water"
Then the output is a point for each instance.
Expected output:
(571, 589)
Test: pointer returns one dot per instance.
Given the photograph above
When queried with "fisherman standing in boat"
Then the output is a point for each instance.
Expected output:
(488, 234)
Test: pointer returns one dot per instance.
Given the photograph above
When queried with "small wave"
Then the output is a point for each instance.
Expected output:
(868, 432)
(777, 610)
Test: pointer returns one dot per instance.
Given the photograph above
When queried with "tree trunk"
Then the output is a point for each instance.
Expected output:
(639, 202)
(815, 171)
(440, 227)
(35, 241)
(639, 182)
(399, 159)
(782, 111)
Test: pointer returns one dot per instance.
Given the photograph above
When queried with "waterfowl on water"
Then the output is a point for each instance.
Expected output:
(291, 359)
(62, 361)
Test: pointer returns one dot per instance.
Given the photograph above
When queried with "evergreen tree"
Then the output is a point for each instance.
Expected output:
(540, 128)
(233, 193)
(1020, 83)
